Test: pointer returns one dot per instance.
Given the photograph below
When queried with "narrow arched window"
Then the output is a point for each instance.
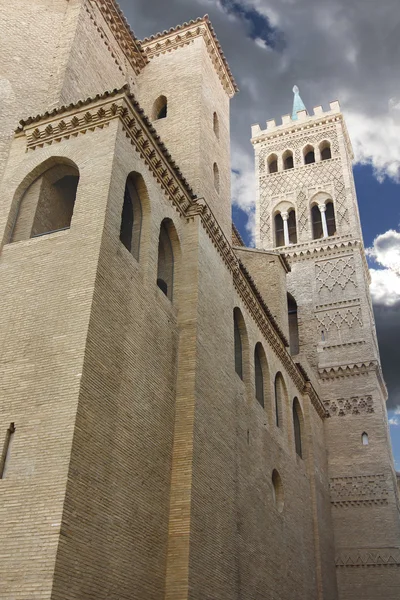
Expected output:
(316, 222)
(160, 108)
(48, 204)
(280, 393)
(165, 269)
(297, 427)
(309, 155)
(292, 227)
(330, 218)
(216, 177)
(259, 358)
(272, 163)
(277, 490)
(293, 325)
(288, 160)
(279, 232)
(216, 124)
(6, 453)
(364, 439)
(325, 150)
(132, 213)
(238, 343)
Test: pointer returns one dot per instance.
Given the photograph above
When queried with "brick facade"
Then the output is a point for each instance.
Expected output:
(141, 465)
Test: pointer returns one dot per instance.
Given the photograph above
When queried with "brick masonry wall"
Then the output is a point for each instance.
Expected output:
(48, 293)
(236, 447)
(188, 79)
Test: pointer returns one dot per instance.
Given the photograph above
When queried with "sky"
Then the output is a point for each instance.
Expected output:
(342, 49)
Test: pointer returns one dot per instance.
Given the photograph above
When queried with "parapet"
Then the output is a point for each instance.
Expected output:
(258, 134)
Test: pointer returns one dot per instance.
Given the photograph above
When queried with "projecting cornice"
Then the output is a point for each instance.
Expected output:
(96, 113)
(180, 36)
(123, 34)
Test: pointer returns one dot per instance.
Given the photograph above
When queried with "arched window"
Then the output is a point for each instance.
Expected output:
(330, 218)
(277, 490)
(293, 325)
(160, 108)
(279, 233)
(167, 247)
(364, 439)
(260, 373)
(216, 124)
(280, 397)
(131, 217)
(272, 163)
(288, 160)
(309, 155)
(240, 341)
(292, 227)
(316, 222)
(297, 426)
(48, 204)
(325, 150)
(216, 177)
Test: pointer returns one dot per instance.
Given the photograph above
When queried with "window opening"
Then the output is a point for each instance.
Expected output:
(5, 457)
(293, 325)
(277, 490)
(292, 227)
(364, 439)
(160, 108)
(325, 149)
(288, 160)
(238, 347)
(316, 222)
(259, 377)
(216, 124)
(297, 428)
(309, 155)
(165, 270)
(279, 233)
(216, 177)
(272, 163)
(330, 218)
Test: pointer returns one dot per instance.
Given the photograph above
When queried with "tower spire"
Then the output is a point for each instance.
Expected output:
(298, 103)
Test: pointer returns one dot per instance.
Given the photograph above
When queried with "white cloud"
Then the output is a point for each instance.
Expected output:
(243, 187)
(386, 250)
(376, 142)
(394, 421)
(385, 287)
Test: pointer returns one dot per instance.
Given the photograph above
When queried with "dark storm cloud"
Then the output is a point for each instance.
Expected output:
(387, 321)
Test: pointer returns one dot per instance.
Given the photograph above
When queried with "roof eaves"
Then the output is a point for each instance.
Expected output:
(180, 28)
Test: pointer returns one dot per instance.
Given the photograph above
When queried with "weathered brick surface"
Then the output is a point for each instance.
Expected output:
(141, 464)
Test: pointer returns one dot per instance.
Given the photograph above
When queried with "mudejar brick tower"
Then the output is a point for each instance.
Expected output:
(181, 417)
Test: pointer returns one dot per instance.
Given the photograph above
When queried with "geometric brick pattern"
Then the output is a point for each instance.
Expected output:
(358, 490)
(340, 318)
(356, 405)
(335, 272)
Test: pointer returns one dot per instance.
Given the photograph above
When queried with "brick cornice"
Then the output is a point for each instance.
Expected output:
(86, 116)
(180, 36)
(125, 37)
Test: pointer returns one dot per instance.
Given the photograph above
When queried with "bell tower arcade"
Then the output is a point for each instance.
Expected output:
(306, 206)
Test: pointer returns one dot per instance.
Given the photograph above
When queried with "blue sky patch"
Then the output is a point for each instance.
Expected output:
(258, 26)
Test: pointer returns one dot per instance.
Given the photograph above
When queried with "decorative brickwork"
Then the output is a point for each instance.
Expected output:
(335, 272)
(356, 405)
(369, 557)
(358, 490)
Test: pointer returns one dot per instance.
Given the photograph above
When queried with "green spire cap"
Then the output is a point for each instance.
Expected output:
(298, 103)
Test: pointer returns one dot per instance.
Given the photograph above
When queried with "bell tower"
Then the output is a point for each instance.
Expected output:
(306, 206)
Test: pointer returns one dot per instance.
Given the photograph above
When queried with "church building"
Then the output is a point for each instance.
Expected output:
(181, 417)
